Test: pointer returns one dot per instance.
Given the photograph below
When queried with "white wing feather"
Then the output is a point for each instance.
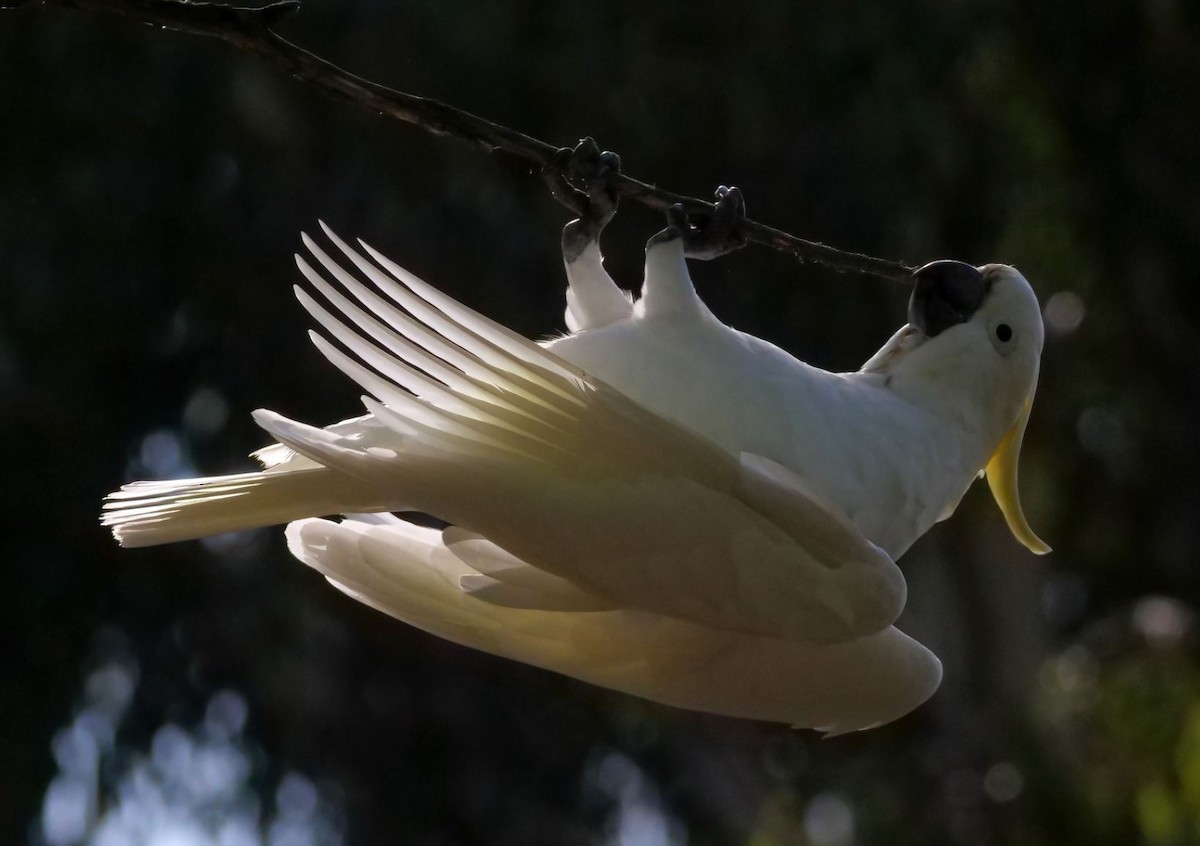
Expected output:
(575, 479)
(413, 575)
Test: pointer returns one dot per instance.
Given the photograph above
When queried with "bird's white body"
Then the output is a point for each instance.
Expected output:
(655, 503)
(843, 433)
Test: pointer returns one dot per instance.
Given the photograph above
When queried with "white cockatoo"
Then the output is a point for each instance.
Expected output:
(655, 503)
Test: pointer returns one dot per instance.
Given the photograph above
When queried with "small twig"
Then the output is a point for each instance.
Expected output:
(249, 29)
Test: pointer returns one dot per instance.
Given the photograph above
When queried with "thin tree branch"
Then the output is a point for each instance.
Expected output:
(250, 30)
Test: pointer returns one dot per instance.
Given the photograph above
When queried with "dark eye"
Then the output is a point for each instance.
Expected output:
(1004, 333)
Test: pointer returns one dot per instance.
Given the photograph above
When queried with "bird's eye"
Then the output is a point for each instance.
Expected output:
(1003, 338)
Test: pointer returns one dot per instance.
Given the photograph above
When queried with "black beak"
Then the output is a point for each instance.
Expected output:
(945, 293)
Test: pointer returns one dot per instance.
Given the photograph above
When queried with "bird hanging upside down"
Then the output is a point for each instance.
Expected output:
(655, 503)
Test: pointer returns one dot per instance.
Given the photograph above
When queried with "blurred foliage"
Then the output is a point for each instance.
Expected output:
(152, 189)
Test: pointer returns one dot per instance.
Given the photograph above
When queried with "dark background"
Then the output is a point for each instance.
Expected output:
(152, 188)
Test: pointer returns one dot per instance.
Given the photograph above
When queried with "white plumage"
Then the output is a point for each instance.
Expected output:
(655, 503)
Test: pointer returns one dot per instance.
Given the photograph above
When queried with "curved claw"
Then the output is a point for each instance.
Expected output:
(554, 174)
(707, 235)
(584, 180)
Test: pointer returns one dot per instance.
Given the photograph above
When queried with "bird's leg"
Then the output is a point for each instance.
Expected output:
(707, 236)
(582, 179)
(667, 288)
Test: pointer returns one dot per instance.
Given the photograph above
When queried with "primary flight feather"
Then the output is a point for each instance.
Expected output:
(655, 503)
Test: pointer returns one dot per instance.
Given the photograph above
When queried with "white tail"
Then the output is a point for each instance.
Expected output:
(150, 513)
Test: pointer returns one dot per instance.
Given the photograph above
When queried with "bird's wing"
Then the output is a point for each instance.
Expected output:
(280, 457)
(495, 434)
(503, 579)
(414, 574)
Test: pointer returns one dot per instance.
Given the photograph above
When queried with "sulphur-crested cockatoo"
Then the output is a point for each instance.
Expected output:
(655, 503)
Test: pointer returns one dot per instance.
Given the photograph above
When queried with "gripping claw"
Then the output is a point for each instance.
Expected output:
(584, 180)
(707, 236)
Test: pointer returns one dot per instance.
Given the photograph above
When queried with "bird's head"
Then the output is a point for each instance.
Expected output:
(973, 346)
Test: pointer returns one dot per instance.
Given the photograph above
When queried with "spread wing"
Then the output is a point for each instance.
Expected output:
(414, 574)
(497, 435)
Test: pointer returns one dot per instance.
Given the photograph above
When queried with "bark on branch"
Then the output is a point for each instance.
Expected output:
(250, 30)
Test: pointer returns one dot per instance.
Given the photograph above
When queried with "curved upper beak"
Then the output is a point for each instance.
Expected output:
(1001, 472)
(945, 293)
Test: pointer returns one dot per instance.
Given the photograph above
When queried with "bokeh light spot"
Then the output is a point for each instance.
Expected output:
(829, 821)
(205, 412)
(1003, 782)
(1064, 312)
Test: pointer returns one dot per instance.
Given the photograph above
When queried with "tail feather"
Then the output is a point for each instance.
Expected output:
(151, 513)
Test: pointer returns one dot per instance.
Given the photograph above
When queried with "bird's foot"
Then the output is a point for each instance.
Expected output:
(584, 180)
(707, 236)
